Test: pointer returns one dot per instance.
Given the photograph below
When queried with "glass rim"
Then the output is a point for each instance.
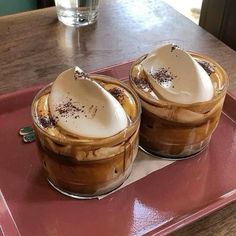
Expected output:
(92, 141)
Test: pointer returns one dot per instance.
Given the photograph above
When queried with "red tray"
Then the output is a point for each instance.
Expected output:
(7, 223)
(159, 203)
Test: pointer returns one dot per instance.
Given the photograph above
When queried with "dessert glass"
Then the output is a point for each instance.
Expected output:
(174, 130)
(86, 168)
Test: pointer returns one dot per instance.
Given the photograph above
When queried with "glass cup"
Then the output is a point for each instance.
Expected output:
(77, 12)
(82, 167)
(173, 130)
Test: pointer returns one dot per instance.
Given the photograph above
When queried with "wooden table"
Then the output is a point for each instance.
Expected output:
(35, 47)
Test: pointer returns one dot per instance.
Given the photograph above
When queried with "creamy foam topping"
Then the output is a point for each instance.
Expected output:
(173, 75)
(82, 107)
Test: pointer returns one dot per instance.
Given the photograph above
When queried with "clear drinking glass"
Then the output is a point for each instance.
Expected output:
(84, 167)
(77, 12)
(174, 130)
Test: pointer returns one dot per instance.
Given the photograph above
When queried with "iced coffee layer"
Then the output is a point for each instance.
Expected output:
(170, 138)
(90, 177)
(62, 144)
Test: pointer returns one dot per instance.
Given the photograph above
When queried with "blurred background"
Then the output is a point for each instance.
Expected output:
(189, 8)
(15, 6)
(216, 16)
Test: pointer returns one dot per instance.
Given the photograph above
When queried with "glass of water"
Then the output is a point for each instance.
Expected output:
(77, 12)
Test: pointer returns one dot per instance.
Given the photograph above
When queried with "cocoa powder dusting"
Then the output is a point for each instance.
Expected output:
(174, 46)
(163, 77)
(117, 93)
(80, 75)
(209, 68)
(70, 109)
(48, 121)
(142, 83)
(94, 111)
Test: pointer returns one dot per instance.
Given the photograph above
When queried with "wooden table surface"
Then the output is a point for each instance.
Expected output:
(35, 48)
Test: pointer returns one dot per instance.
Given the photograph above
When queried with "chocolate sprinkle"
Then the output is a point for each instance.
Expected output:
(209, 68)
(117, 93)
(163, 77)
(69, 109)
(142, 83)
(94, 112)
(174, 46)
(80, 75)
(48, 121)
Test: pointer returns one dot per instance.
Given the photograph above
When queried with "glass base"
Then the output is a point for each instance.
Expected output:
(92, 196)
(169, 158)
(78, 20)
(69, 194)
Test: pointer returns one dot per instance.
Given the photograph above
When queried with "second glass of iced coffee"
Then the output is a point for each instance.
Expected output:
(181, 106)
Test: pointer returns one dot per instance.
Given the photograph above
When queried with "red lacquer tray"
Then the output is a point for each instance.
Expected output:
(159, 203)
(7, 223)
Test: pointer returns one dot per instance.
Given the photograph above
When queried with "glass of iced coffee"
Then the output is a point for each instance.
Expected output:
(87, 133)
(182, 95)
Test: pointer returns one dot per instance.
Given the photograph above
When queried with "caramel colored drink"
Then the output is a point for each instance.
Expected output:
(172, 129)
(81, 166)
